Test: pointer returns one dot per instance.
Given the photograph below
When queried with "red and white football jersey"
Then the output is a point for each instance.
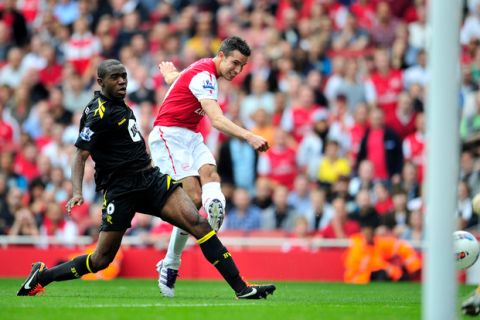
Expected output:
(181, 106)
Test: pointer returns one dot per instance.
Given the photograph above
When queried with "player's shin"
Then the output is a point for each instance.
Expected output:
(219, 256)
(69, 270)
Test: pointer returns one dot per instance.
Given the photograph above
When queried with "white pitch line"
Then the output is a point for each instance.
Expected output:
(150, 305)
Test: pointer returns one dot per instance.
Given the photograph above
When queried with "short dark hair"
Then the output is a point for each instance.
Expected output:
(235, 43)
(104, 67)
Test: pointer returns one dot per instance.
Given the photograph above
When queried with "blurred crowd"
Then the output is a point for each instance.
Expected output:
(337, 87)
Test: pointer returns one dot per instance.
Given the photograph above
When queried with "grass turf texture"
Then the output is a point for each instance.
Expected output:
(140, 299)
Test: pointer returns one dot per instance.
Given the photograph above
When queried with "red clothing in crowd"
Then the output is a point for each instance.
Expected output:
(350, 227)
(51, 75)
(282, 166)
(384, 206)
(387, 88)
(403, 127)
(25, 168)
(376, 153)
(414, 151)
(6, 135)
(357, 131)
(302, 119)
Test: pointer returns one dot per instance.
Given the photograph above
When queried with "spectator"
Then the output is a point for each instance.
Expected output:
(15, 22)
(14, 179)
(280, 215)
(353, 87)
(403, 119)
(6, 132)
(278, 163)
(320, 212)
(357, 130)
(144, 92)
(409, 181)
(5, 45)
(244, 215)
(382, 33)
(9, 208)
(364, 180)
(341, 226)
(384, 84)
(259, 98)
(24, 224)
(413, 147)
(470, 124)
(382, 146)
(13, 72)
(465, 217)
(237, 163)
(332, 166)
(81, 47)
(383, 200)
(396, 221)
(471, 27)
(417, 31)
(414, 228)
(263, 193)
(351, 37)
(299, 197)
(75, 95)
(262, 125)
(58, 226)
(469, 171)
(311, 149)
(416, 73)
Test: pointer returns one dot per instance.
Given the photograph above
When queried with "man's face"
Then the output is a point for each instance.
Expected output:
(114, 84)
(232, 65)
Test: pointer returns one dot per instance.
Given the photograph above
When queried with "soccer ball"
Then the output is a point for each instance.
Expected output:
(466, 249)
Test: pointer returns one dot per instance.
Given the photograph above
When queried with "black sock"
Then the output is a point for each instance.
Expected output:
(219, 256)
(72, 269)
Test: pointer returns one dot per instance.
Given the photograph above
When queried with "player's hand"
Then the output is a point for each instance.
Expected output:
(471, 306)
(258, 143)
(76, 200)
(166, 67)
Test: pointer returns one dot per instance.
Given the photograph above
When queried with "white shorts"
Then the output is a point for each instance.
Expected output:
(178, 152)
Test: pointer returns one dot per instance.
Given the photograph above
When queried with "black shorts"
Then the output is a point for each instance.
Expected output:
(145, 191)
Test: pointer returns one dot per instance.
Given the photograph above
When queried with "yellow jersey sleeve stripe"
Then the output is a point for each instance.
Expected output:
(122, 121)
(88, 264)
(169, 181)
(206, 237)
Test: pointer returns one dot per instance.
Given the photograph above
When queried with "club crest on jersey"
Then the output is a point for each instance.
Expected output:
(207, 84)
(86, 134)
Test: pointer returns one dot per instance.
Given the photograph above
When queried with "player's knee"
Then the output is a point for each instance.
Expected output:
(197, 199)
(201, 227)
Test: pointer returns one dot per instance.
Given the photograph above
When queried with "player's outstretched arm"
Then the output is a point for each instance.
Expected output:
(225, 125)
(168, 71)
(78, 169)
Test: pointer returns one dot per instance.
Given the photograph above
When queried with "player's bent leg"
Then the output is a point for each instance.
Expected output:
(40, 276)
(213, 199)
(180, 211)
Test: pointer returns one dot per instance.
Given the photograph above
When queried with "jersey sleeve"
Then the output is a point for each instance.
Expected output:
(204, 86)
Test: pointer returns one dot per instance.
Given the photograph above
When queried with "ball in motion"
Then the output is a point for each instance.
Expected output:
(466, 249)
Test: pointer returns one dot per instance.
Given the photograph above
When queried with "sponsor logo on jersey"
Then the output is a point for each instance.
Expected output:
(200, 111)
(101, 109)
(86, 134)
(207, 84)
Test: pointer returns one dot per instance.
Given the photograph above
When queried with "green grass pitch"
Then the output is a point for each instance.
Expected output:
(139, 299)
